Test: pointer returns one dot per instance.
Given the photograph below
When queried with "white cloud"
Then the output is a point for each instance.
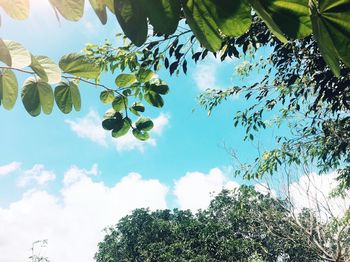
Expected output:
(37, 175)
(73, 221)
(313, 191)
(89, 127)
(9, 168)
(195, 190)
(129, 142)
(264, 189)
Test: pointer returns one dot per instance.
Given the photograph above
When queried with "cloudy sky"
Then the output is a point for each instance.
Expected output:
(63, 178)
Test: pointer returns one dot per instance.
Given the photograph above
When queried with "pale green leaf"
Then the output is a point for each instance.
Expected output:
(17, 9)
(144, 75)
(5, 55)
(107, 96)
(52, 70)
(20, 56)
(99, 7)
(71, 10)
(8, 89)
(124, 80)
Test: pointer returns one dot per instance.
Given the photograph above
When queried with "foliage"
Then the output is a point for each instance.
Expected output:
(240, 225)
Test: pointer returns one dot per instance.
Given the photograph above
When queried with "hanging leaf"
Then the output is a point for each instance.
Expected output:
(17, 9)
(20, 56)
(113, 120)
(110, 5)
(160, 89)
(164, 15)
(71, 10)
(144, 75)
(120, 103)
(154, 99)
(67, 95)
(233, 18)
(37, 95)
(99, 7)
(123, 129)
(107, 96)
(140, 135)
(124, 80)
(136, 108)
(144, 124)
(267, 18)
(202, 24)
(8, 89)
(292, 16)
(132, 19)
(38, 69)
(52, 70)
(80, 66)
(5, 55)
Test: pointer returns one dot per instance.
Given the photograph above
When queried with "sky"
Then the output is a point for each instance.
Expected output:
(64, 179)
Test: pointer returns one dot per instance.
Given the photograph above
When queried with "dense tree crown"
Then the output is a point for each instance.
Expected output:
(242, 225)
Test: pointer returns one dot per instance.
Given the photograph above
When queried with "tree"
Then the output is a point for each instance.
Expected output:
(240, 225)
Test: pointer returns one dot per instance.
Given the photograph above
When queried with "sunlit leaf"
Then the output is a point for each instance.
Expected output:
(8, 89)
(124, 80)
(19, 54)
(37, 95)
(70, 9)
(66, 96)
(17, 9)
(132, 19)
(120, 103)
(154, 99)
(99, 7)
(107, 96)
(144, 124)
(5, 55)
(52, 70)
(123, 129)
(140, 135)
(144, 75)
(78, 65)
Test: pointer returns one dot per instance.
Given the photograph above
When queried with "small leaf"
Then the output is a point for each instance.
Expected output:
(107, 96)
(124, 80)
(154, 99)
(144, 75)
(8, 89)
(67, 95)
(113, 123)
(37, 95)
(122, 130)
(80, 66)
(120, 103)
(144, 124)
(143, 136)
(136, 108)
(160, 89)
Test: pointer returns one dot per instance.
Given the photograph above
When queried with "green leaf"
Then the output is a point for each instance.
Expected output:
(80, 66)
(233, 18)
(20, 56)
(8, 89)
(335, 17)
(99, 7)
(17, 9)
(120, 103)
(144, 124)
(164, 15)
(67, 95)
(122, 130)
(5, 55)
(136, 108)
(71, 10)
(292, 16)
(160, 89)
(124, 80)
(107, 96)
(267, 18)
(37, 95)
(143, 136)
(114, 122)
(324, 41)
(202, 24)
(38, 69)
(144, 75)
(132, 19)
(52, 70)
(154, 99)
(110, 5)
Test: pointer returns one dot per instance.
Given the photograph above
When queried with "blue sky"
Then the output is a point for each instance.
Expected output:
(64, 179)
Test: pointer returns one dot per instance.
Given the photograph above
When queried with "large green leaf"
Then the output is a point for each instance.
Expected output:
(67, 95)
(144, 75)
(140, 135)
(78, 65)
(107, 96)
(124, 80)
(5, 55)
(71, 10)
(132, 19)
(154, 99)
(8, 89)
(19, 54)
(52, 70)
(17, 9)
(267, 18)
(163, 15)
(122, 130)
(202, 24)
(38, 69)
(292, 16)
(37, 95)
(233, 18)
(99, 7)
(144, 124)
(120, 103)
(336, 21)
